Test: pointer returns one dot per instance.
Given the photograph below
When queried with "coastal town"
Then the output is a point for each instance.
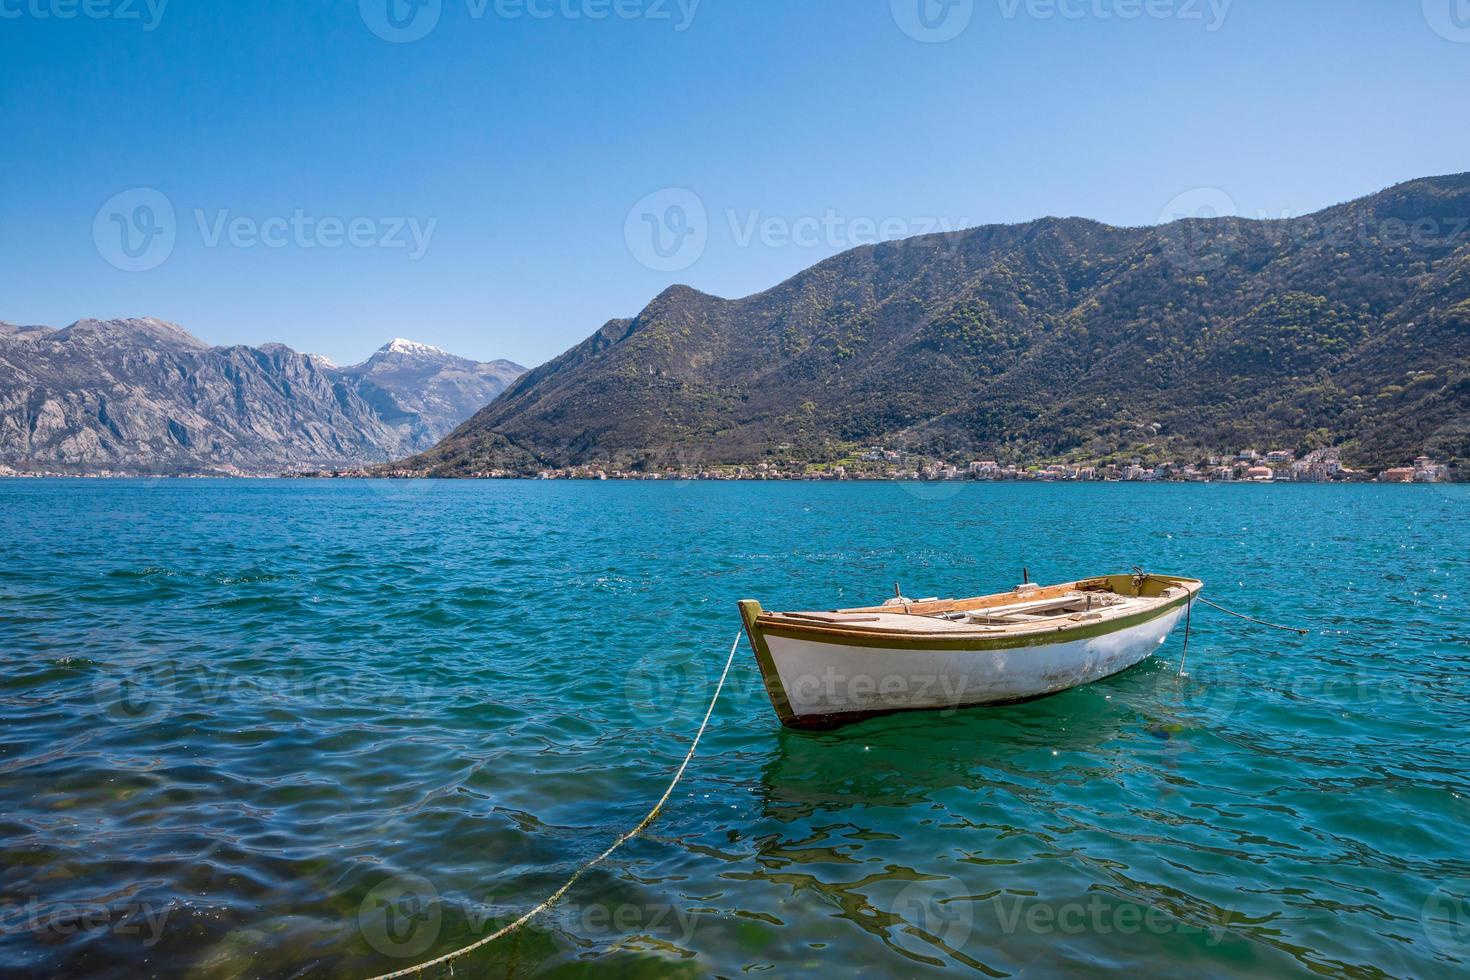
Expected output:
(892, 465)
(883, 464)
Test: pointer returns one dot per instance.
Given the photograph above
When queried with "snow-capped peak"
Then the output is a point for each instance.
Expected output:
(400, 346)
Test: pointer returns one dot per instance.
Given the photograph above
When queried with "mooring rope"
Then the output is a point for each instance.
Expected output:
(556, 895)
(1252, 619)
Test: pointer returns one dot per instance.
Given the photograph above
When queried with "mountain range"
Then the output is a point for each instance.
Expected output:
(1061, 339)
(1056, 339)
(145, 396)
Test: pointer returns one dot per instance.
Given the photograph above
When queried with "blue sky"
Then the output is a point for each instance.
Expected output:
(319, 174)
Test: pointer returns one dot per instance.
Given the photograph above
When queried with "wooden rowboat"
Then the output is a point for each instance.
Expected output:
(824, 669)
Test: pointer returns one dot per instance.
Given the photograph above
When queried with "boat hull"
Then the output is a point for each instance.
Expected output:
(823, 682)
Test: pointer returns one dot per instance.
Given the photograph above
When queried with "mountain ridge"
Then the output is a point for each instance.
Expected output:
(1052, 339)
(142, 395)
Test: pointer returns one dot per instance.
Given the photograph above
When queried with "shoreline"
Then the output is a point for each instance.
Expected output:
(683, 480)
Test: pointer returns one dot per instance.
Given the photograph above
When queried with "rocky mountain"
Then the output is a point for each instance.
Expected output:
(142, 395)
(423, 391)
(1056, 339)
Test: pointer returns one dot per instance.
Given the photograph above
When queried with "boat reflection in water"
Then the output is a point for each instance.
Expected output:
(943, 834)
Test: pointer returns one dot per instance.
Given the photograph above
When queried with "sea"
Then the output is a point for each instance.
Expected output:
(339, 728)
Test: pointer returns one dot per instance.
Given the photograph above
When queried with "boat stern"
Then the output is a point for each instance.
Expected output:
(1145, 585)
(750, 613)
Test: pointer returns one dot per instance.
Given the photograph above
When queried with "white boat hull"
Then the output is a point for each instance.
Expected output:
(831, 681)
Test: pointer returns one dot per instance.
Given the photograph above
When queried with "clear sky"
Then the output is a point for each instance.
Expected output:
(500, 177)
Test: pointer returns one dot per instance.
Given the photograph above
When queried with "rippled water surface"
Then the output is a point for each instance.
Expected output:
(333, 729)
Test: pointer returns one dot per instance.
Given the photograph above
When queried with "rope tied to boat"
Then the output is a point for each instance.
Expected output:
(1252, 619)
(1188, 615)
(556, 895)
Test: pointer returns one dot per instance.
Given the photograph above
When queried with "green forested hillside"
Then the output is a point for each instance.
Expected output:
(1060, 338)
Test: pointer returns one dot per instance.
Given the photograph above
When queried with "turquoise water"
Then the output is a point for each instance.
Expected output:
(330, 729)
